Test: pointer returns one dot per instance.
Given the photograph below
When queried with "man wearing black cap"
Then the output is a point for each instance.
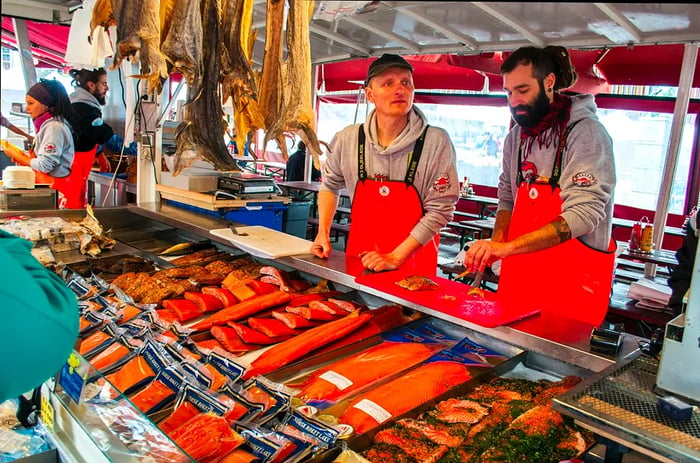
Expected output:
(400, 174)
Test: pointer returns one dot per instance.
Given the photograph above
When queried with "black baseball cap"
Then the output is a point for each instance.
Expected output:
(385, 62)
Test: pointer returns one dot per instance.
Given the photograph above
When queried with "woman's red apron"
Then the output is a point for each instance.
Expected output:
(571, 279)
(385, 211)
(73, 187)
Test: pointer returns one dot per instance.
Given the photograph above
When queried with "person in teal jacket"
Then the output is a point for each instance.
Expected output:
(39, 319)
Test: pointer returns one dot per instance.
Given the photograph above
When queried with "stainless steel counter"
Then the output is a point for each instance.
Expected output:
(564, 339)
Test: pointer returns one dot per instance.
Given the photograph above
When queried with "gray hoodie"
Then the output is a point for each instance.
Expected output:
(587, 209)
(436, 177)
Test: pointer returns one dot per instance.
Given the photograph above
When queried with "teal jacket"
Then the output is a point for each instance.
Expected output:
(39, 319)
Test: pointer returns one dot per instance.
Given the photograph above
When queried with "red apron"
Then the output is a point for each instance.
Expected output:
(570, 279)
(385, 211)
(73, 187)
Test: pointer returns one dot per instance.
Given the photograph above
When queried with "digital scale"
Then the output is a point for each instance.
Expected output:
(246, 184)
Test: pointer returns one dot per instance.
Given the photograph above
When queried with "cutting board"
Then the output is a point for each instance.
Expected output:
(451, 298)
(265, 242)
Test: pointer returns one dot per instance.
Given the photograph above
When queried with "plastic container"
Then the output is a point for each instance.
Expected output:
(18, 177)
(268, 215)
(296, 218)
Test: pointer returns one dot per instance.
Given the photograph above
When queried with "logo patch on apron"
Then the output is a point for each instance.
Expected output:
(533, 193)
(442, 183)
(384, 190)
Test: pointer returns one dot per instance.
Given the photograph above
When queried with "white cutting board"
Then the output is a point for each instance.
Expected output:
(265, 242)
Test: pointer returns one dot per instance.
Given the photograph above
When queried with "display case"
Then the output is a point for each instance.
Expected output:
(101, 425)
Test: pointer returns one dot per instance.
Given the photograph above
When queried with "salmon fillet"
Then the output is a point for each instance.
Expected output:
(426, 382)
(356, 371)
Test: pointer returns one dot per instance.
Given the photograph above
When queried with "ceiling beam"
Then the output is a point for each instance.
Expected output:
(621, 20)
(323, 32)
(511, 22)
(444, 29)
(409, 45)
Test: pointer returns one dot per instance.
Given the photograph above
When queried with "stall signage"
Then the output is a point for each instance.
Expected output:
(71, 378)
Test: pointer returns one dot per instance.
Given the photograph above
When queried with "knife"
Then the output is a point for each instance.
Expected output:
(476, 290)
(235, 231)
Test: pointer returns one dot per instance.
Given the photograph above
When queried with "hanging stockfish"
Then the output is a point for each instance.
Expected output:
(201, 135)
(238, 80)
(182, 43)
(297, 115)
(138, 31)
(271, 80)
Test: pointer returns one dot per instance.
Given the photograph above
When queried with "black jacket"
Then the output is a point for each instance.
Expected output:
(295, 168)
(679, 279)
(86, 134)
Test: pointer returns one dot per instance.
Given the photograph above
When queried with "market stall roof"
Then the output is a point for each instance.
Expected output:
(459, 44)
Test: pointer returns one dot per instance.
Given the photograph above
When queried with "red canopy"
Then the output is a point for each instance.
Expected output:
(596, 69)
(430, 72)
(49, 41)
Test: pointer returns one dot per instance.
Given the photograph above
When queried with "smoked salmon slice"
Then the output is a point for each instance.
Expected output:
(293, 320)
(380, 404)
(243, 309)
(294, 348)
(359, 370)
(310, 313)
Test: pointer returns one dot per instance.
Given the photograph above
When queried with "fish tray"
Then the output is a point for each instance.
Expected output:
(305, 367)
(526, 365)
(109, 268)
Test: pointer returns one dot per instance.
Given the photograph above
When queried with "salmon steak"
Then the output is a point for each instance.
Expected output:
(417, 283)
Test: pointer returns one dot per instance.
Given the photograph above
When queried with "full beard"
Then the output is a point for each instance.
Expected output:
(533, 113)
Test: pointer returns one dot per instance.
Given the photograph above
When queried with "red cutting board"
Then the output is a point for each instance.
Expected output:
(451, 298)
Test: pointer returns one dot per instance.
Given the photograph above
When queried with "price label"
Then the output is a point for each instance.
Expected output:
(71, 378)
(47, 413)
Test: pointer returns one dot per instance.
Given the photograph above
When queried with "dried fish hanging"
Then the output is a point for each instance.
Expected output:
(271, 82)
(297, 115)
(201, 135)
(138, 31)
(238, 79)
(181, 29)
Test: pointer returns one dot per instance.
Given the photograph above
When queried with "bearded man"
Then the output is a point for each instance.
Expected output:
(90, 129)
(554, 220)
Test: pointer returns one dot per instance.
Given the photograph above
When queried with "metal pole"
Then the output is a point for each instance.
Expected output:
(680, 110)
(25, 51)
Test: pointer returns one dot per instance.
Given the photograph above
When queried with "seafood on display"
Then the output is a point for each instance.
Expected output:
(504, 420)
(417, 283)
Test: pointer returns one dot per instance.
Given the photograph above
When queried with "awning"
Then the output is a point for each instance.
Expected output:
(48, 41)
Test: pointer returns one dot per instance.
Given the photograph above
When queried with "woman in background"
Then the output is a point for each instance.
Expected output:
(49, 107)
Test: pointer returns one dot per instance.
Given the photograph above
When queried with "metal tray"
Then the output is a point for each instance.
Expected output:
(312, 363)
(526, 365)
(621, 402)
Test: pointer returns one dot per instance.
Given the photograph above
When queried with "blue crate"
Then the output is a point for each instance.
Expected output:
(268, 215)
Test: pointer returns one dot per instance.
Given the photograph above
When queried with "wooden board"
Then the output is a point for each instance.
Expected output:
(265, 242)
(209, 202)
(451, 298)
